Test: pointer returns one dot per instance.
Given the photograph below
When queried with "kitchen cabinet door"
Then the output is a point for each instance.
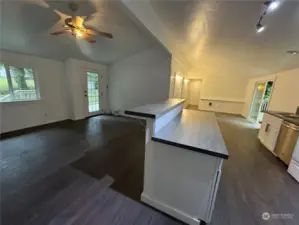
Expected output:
(271, 139)
(262, 132)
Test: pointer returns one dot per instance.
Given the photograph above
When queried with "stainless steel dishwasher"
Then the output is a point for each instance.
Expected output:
(287, 141)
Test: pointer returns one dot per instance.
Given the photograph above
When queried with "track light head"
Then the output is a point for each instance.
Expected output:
(272, 5)
(259, 28)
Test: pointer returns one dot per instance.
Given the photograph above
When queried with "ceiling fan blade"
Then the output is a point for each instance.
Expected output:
(59, 32)
(101, 33)
(68, 22)
(41, 3)
(89, 38)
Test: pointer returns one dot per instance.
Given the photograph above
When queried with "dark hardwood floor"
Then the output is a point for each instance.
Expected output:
(36, 166)
(253, 181)
(27, 158)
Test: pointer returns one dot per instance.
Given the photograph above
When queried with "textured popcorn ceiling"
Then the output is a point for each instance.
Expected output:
(219, 37)
(25, 28)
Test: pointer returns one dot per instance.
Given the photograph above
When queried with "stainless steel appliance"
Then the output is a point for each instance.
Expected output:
(294, 164)
(287, 141)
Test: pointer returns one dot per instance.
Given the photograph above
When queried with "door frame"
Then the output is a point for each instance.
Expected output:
(85, 89)
(253, 95)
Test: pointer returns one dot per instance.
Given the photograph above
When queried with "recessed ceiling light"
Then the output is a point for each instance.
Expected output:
(292, 52)
(260, 28)
(273, 5)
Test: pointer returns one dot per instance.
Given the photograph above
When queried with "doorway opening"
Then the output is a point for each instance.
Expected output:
(260, 101)
(194, 93)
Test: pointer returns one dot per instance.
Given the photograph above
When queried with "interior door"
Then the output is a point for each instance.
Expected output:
(92, 93)
(257, 101)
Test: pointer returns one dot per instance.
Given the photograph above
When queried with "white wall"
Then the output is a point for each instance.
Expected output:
(194, 92)
(225, 92)
(146, 14)
(185, 92)
(178, 87)
(139, 79)
(76, 76)
(177, 68)
(285, 94)
(53, 105)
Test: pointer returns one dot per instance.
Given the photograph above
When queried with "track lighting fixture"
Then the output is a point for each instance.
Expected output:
(292, 52)
(271, 6)
(260, 28)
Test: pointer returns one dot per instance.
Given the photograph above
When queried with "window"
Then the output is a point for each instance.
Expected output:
(17, 84)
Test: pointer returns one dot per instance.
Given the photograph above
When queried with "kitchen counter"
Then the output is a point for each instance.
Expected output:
(194, 130)
(184, 154)
(287, 119)
(155, 110)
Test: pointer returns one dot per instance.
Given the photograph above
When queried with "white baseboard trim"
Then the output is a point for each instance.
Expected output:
(169, 210)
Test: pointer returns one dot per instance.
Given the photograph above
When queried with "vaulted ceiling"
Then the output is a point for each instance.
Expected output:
(26, 27)
(219, 37)
(213, 37)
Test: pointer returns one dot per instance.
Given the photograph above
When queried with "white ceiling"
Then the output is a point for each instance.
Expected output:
(219, 37)
(25, 28)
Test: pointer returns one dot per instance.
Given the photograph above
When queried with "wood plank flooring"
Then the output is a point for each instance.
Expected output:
(27, 158)
(253, 180)
(81, 200)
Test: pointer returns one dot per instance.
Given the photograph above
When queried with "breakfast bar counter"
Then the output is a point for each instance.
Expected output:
(184, 152)
(194, 130)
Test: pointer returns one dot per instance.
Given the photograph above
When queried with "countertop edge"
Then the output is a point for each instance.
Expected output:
(153, 116)
(191, 148)
(275, 113)
(147, 115)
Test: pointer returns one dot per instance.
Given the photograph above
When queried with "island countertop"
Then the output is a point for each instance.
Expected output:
(196, 131)
(155, 110)
(281, 115)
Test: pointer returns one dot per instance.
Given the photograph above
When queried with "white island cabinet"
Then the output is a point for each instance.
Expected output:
(184, 152)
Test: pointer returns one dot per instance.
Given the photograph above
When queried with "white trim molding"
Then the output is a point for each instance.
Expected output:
(238, 100)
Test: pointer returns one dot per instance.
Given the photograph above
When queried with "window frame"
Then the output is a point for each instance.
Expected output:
(10, 86)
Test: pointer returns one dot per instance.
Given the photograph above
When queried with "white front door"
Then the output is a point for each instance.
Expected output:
(92, 93)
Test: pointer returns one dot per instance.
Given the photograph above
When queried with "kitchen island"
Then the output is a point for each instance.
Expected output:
(184, 151)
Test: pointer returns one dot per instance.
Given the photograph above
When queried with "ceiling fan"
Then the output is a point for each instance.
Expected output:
(75, 26)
